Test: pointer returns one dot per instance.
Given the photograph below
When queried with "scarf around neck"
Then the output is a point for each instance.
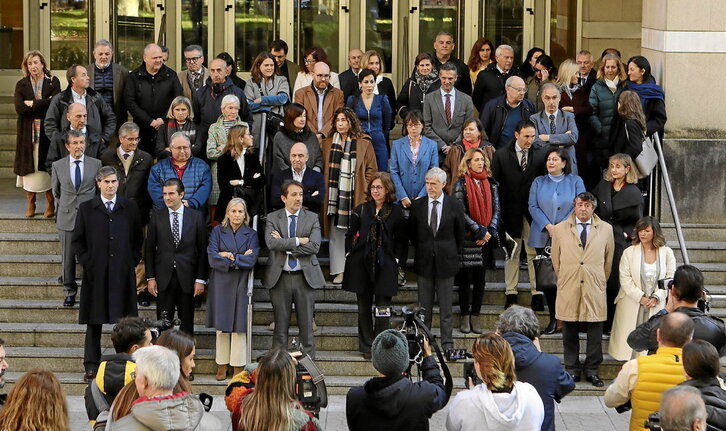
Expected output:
(425, 81)
(612, 84)
(647, 91)
(341, 180)
(480, 197)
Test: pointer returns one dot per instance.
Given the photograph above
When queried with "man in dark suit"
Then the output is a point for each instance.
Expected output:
(587, 75)
(349, 78)
(195, 75)
(515, 167)
(437, 232)
(72, 182)
(285, 67)
(107, 239)
(555, 127)
(175, 254)
(443, 48)
(76, 116)
(312, 181)
(490, 82)
(293, 236)
(109, 80)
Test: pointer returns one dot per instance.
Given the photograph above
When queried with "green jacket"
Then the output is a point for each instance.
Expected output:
(604, 106)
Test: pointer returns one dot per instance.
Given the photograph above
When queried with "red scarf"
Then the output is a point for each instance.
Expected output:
(480, 197)
(469, 145)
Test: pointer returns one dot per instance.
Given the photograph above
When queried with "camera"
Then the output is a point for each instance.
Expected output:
(470, 373)
(653, 422)
(413, 330)
(162, 324)
(310, 387)
(665, 283)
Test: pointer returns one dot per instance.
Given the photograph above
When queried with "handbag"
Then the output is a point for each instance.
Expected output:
(647, 158)
(545, 276)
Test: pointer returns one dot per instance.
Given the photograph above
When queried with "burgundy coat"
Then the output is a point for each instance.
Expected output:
(23, 148)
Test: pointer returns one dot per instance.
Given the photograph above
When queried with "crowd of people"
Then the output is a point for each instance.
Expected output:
(536, 159)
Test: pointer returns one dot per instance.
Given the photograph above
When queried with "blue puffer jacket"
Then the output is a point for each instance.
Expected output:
(541, 370)
(197, 182)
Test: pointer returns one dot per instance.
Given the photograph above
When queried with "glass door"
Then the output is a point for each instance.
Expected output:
(11, 34)
(317, 23)
(69, 33)
(509, 22)
(132, 28)
(256, 24)
(436, 16)
(194, 25)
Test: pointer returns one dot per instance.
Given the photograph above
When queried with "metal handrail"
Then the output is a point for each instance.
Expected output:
(250, 291)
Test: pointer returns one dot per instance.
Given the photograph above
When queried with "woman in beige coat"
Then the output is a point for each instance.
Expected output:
(641, 266)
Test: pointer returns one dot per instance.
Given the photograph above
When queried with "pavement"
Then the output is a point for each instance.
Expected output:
(573, 414)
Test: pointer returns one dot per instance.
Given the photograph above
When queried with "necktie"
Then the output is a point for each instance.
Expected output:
(523, 160)
(447, 109)
(126, 156)
(77, 179)
(109, 206)
(291, 261)
(552, 124)
(175, 227)
(434, 220)
(583, 234)
(197, 78)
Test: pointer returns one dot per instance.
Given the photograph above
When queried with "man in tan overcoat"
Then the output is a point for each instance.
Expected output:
(582, 257)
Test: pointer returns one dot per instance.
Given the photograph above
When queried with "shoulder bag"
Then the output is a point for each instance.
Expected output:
(545, 276)
(647, 158)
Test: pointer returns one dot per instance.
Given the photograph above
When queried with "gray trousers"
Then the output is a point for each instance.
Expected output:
(292, 287)
(443, 288)
(68, 262)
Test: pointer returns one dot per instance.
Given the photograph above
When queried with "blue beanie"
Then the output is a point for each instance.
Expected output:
(390, 353)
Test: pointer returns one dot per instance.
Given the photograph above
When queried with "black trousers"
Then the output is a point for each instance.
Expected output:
(172, 299)
(471, 282)
(367, 331)
(92, 347)
(571, 344)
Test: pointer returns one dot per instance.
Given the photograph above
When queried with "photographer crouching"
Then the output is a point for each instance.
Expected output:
(391, 400)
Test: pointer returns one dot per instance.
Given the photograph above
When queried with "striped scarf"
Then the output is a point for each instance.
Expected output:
(341, 178)
(37, 122)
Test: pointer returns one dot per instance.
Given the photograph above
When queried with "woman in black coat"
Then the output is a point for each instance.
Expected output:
(239, 172)
(651, 94)
(478, 194)
(424, 80)
(374, 245)
(628, 130)
(701, 364)
(620, 204)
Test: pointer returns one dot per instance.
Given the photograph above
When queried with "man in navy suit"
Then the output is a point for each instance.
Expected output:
(176, 256)
(312, 181)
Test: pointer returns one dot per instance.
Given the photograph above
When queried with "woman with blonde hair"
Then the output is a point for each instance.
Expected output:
(179, 119)
(36, 402)
(500, 402)
(576, 99)
(239, 172)
(272, 405)
(373, 61)
(628, 129)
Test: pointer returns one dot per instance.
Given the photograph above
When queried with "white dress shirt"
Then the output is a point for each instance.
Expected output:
(299, 177)
(439, 208)
(77, 98)
(588, 224)
(73, 168)
(287, 267)
(112, 200)
(453, 99)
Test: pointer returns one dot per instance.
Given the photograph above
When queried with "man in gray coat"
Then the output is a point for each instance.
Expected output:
(555, 126)
(73, 182)
(293, 237)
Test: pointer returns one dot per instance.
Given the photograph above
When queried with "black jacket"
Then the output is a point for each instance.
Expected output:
(412, 97)
(348, 83)
(227, 170)
(472, 253)
(713, 393)
(396, 403)
(463, 82)
(629, 142)
(385, 88)
(313, 181)
(495, 113)
(132, 185)
(620, 209)
(207, 106)
(489, 85)
(707, 327)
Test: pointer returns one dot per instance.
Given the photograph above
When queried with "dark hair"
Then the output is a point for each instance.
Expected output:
(524, 124)
(644, 64)
(106, 171)
(355, 128)
(652, 222)
(292, 111)
(278, 44)
(127, 332)
(71, 72)
(174, 182)
(388, 186)
(546, 61)
(414, 116)
(607, 51)
(676, 329)
(700, 360)
(423, 56)
(164, 48)
(318, 54)
(286, 186)
(587, 197)
(479, 127)
(365, 72)
(229, 60)
(474, 59)
(688, 283)
(562, 154)
(526, 70)
(448, 66)
(255, 68)
(177, 341)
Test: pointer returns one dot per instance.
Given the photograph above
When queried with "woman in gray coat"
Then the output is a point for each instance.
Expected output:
(266, 91)
(232, 251)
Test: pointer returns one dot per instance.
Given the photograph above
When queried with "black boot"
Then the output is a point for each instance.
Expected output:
(511, 300)
(537, 302)
(551, 328)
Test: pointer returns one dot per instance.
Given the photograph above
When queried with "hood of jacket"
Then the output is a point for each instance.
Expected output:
(182, 412)
(503, 411)
(389, 396)
(525, 353)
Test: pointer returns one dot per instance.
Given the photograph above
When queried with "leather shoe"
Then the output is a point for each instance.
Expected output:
(551, 328)
(89, 375)
(70, 301)
(144, 303)
(537, 303)
(575, 377)
(511, 300)
(595, 380)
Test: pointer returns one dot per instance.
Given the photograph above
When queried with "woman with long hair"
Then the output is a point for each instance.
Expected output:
(239, 172)
(295, 130)
(32, 97)
(373, 61)
(478, 194)
(500, 401)
(349, 168)
(526, 70)
(307, 64)
(544, 72)
(423, 80)
(629, 129)
(551, 198)
(651, 94)
(482, 54)
(472, 136)
(183, 344)
(179, 118)
(619, 203)
(645, 262)
(232, 252)
(375, 114)
(575, 99)
(266, 91)
(272, 405)
(36, 402)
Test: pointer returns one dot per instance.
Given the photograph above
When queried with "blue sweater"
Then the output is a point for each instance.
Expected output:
(197, 182)
(551, 202)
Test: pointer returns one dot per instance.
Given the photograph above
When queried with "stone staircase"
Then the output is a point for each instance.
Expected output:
(8, 125)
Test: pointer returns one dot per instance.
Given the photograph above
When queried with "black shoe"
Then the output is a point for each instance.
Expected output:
(89, 375)
(595, 380)
(144, 303)
(537, 303)
(551, 328)
(70, 301)
(575, 377)
(198, 303)
(511, 300)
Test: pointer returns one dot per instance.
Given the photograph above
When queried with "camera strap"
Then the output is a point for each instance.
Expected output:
(318, 378)
(448, 381)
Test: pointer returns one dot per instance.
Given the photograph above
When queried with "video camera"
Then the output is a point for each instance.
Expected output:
(653, 422)
(310, 387)
(158, 326)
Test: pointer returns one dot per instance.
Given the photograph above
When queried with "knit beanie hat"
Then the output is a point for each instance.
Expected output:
(390, 353)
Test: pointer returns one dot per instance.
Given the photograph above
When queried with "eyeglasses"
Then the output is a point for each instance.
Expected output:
(519, 89)
(192, 59)
(377, 187)
(310, 60)
(137, 139)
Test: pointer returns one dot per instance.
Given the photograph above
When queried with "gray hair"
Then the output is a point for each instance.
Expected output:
(501, 48)
(230, 98)
(518, 319)
(197, 48)
(106, 171)
(448, 66)
(437, 173)
(159, 365)
(180, 135)
(126, 128)
(511, 79)
(549, 86)
(585, 52)
(103, 42)
(75, 134)
(680, 406)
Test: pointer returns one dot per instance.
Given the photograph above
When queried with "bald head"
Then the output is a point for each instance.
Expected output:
(515, 89)
(676, 329)
(77, 116)
(217, 70)
(321, 75)
(298, 156)
(153, 58)
(354, 57)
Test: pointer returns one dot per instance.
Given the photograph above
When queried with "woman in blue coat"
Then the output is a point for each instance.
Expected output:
(374, 112)
(551, 200)
(232, 252)
(411, 157)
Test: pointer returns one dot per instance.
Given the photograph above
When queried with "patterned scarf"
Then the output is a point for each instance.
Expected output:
(480, 197)
(374, 240)
(341, 179)
(425, 81)
(37, 122)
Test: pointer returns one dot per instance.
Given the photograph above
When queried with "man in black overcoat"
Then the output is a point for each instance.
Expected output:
(107, 240)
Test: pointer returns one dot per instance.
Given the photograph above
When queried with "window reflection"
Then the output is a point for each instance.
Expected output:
(317, 25)
(68, 33)
(133, 29)
(503, 23)
(11, 34)
(194, 24)
(379, 29)
(255, 21)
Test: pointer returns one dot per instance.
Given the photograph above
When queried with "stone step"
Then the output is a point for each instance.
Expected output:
(696, 231)
(20, 224)
(24, 243)
(701, 251)
(38, 265)
(7, 141)
(713, 273)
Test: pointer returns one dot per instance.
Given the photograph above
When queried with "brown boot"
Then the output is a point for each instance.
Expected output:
(221, 372)
(30, 210)
(476, 324)
(238, 370)
(50, 205)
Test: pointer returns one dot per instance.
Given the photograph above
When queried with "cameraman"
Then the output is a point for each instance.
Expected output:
(683, 295)
(391, 400)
